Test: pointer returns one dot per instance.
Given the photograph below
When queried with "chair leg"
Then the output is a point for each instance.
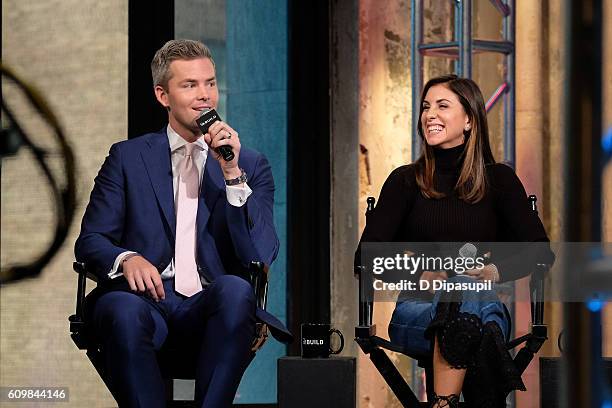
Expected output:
(97, 360)
(392, 377)
(169, 386)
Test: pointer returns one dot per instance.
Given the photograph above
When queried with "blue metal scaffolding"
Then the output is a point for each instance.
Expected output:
(462, 49)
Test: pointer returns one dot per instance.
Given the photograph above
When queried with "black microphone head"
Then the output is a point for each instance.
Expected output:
(204, 122)
(206, 119)
(468, 250)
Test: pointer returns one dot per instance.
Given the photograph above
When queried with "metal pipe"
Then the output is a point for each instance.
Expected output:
(496, 96)
(501, 7)
(503, 47)
(510, 97)
(465, 41)
(416, 71)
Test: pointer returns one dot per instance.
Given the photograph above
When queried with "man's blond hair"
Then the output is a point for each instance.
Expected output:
(175, 50)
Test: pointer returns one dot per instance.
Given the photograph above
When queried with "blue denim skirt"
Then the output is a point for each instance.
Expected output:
(412, 317)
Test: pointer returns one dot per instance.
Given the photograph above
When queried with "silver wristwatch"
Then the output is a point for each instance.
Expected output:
(238, 180)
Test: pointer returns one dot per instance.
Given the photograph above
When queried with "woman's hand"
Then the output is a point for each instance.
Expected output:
(488, 272)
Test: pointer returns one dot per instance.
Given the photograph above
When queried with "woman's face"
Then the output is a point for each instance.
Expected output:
(443, 118)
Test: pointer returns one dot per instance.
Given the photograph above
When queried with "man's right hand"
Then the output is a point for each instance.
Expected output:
(143, 277)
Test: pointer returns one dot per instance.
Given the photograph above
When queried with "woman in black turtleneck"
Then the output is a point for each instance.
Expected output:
(455, 192)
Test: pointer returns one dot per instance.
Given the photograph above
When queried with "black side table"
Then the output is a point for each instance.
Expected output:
(317, 382)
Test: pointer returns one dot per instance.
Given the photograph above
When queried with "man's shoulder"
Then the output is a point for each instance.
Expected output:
(139, 142)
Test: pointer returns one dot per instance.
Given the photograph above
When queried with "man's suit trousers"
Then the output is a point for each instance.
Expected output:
(214, 328)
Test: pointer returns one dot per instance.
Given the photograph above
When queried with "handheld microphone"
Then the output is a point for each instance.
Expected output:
(468, 251)
(204, 121)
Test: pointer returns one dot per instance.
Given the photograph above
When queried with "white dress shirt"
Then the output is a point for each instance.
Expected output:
(236, 195)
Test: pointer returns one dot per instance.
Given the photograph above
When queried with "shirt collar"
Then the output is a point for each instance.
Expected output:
(176, 141)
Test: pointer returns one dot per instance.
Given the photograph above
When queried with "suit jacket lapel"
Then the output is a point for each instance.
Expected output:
(212, 186)
(159, 168)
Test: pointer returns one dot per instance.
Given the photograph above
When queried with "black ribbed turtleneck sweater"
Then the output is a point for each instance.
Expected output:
(403, 214)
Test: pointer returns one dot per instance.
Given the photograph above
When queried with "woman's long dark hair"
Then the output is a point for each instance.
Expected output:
(472, 183)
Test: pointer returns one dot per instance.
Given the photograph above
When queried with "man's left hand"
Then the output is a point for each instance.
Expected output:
(222, 134)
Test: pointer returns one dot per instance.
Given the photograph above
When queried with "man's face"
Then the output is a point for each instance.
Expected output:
(191, 89)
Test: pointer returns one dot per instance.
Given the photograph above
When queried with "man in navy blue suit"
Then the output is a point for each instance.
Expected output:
(170, 268)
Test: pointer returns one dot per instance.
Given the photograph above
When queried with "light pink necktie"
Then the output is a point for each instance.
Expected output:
(186, 278)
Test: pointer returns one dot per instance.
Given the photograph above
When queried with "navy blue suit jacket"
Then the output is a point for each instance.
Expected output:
(132, 208)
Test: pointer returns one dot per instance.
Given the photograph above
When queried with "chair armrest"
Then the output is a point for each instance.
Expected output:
(81, 270)
(536, 289)
(258, 276)
(365, 296)
(77, 320)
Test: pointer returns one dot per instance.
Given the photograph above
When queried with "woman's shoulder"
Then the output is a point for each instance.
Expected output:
(500, 171)
(407, 170)
(502, 177)
(401, 181)
(403, 175)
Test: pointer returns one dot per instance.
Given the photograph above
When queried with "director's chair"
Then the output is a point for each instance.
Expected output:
(375, 346)
(171, 368)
